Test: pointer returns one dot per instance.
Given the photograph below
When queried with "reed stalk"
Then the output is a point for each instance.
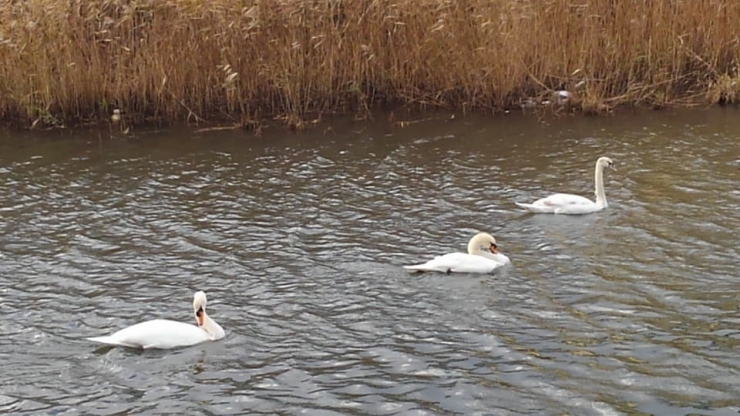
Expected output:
(190, 60)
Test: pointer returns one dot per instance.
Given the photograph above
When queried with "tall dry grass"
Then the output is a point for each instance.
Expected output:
(190, 59)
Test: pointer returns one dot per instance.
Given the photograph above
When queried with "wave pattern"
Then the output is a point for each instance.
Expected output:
(299, 246)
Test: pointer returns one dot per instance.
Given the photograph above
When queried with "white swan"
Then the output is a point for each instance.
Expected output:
(482, 257)
(163, 334)
(574, 204)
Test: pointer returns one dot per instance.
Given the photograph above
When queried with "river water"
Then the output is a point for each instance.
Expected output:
(299, 239)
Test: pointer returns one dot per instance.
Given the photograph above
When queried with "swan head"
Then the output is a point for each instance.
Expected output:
(605, 162)
(199, 307)
(482, 243)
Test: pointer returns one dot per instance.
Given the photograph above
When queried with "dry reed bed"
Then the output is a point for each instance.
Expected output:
(186, 59)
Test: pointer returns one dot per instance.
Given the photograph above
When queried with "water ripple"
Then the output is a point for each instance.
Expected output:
(299, 245)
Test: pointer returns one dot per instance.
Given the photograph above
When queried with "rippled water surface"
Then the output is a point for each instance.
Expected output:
(299, 239)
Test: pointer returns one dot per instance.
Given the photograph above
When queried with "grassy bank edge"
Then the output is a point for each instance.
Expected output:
(245, 63)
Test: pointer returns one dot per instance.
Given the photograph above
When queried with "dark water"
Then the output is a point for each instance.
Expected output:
(299, 241)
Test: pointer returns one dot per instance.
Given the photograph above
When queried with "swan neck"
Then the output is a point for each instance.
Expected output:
(599, 183)
(213, 329)
(473, 247)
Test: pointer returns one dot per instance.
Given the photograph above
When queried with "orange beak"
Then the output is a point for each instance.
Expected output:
(494, 248)
(199, 316)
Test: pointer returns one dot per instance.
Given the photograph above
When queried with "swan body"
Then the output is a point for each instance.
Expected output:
(165, 334)
(574, 204)
(157, 333)
(482, 257)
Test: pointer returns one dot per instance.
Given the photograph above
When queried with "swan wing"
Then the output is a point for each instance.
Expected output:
(561, 204)
(158, 333)
(459, 263)
(499, 258)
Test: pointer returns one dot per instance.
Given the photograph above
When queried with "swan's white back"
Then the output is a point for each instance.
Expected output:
(461, 263)
(158, 333)
(562, 204)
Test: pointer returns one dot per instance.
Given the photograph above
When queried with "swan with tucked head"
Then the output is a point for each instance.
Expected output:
(163, 334)
(482, 257)
(574, 204)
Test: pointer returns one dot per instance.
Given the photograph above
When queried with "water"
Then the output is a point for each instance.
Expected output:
(299, 241)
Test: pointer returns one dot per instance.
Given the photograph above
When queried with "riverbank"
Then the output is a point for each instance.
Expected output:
(295, 60)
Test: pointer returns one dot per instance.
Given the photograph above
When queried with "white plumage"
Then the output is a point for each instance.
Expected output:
(482, 257)
(574, 204)
(165, 334)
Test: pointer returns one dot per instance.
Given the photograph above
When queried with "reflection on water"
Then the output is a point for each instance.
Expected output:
(299, 240)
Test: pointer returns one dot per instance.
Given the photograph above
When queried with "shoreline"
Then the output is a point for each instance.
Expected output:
(381, 122)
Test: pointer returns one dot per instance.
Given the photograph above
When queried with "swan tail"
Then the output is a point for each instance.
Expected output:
(529, 207)
(417, 268)
(109, 341)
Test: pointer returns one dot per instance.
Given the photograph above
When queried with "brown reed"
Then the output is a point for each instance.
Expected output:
(179, 60)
